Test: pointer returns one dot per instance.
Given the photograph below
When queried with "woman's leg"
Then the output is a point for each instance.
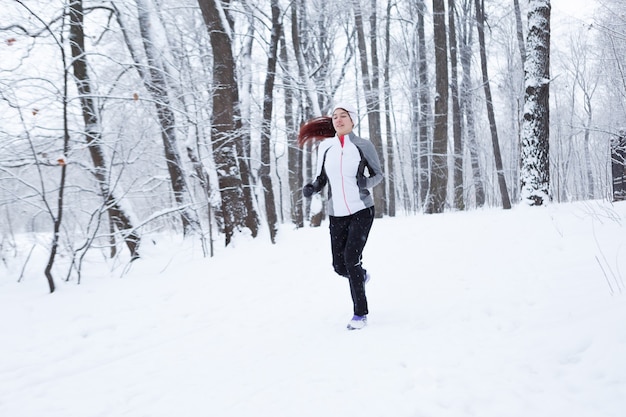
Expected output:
(338, 237)
(358, 232)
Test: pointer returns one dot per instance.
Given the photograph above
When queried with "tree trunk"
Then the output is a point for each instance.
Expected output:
(439, 172)
(237, 203)
(535, 170)
(416, 118)
(391, 175)
(425, 107)
(480, 20)
(520, 31)
(308, 87)
(156, 84)
(380, 193)
(467, 100)
(618, 165)
(242, 113)
(294, 152)
(93, 130)
(587, 146)
(372, 93)
(310, 107)
(459, 201)
(268, 100)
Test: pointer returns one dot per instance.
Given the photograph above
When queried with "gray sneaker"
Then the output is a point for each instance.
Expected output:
(357, 322)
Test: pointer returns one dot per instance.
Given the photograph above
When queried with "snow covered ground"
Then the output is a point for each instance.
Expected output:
(489, 313)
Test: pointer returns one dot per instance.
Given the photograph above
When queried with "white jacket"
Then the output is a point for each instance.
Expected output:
(340, 167)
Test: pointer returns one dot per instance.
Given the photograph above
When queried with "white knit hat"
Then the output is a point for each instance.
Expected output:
(351, 111)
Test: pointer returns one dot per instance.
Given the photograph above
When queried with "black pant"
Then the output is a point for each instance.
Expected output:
(348, 236)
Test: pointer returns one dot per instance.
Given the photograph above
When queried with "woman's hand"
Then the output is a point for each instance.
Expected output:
(308, 190)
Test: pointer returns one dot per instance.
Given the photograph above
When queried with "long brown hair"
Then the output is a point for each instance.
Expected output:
(318, 128)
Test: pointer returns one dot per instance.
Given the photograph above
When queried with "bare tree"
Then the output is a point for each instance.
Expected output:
(519, 26)
(156, 83)
(93, 130)
(371, 88)
(309, 104)
(480, 25)
(466, 31)
(420, 107)
(228, 150)
(268, 101)
(535, 170)
(57, 219)
(313, 35)
(586, 80)
(294, 153)
(202, 97)
(439, 171)
(425, 108)
(391, 177)
(459, 201)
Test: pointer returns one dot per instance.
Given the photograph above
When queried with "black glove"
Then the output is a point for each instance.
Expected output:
(315, 187)
(308, 190)
(361, 182)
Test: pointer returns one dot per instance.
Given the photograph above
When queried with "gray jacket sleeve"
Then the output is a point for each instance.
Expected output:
(371, 160)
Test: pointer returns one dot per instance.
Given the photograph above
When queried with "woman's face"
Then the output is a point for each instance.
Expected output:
(342, 122)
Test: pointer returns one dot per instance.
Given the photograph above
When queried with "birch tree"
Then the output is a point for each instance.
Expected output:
(535, 167)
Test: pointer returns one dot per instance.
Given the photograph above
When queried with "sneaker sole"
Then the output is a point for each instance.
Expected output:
(351, 327)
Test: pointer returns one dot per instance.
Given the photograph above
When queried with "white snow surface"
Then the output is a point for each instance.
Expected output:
(489, 313)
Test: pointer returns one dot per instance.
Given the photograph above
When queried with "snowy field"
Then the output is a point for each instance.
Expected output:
(488, 313)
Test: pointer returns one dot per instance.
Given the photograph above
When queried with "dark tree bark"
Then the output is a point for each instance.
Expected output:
(520, 31)
(308, 99)
(459, 201)
(93, 130)
(268, 101)
(480, 23)
(439, 171)
(391, 181)
(618, 166)
(380, 193)
(237, 202)
(535, 152)
(372, 92)
(294, 152)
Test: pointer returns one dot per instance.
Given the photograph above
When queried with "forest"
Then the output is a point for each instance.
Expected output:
(122, 119)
